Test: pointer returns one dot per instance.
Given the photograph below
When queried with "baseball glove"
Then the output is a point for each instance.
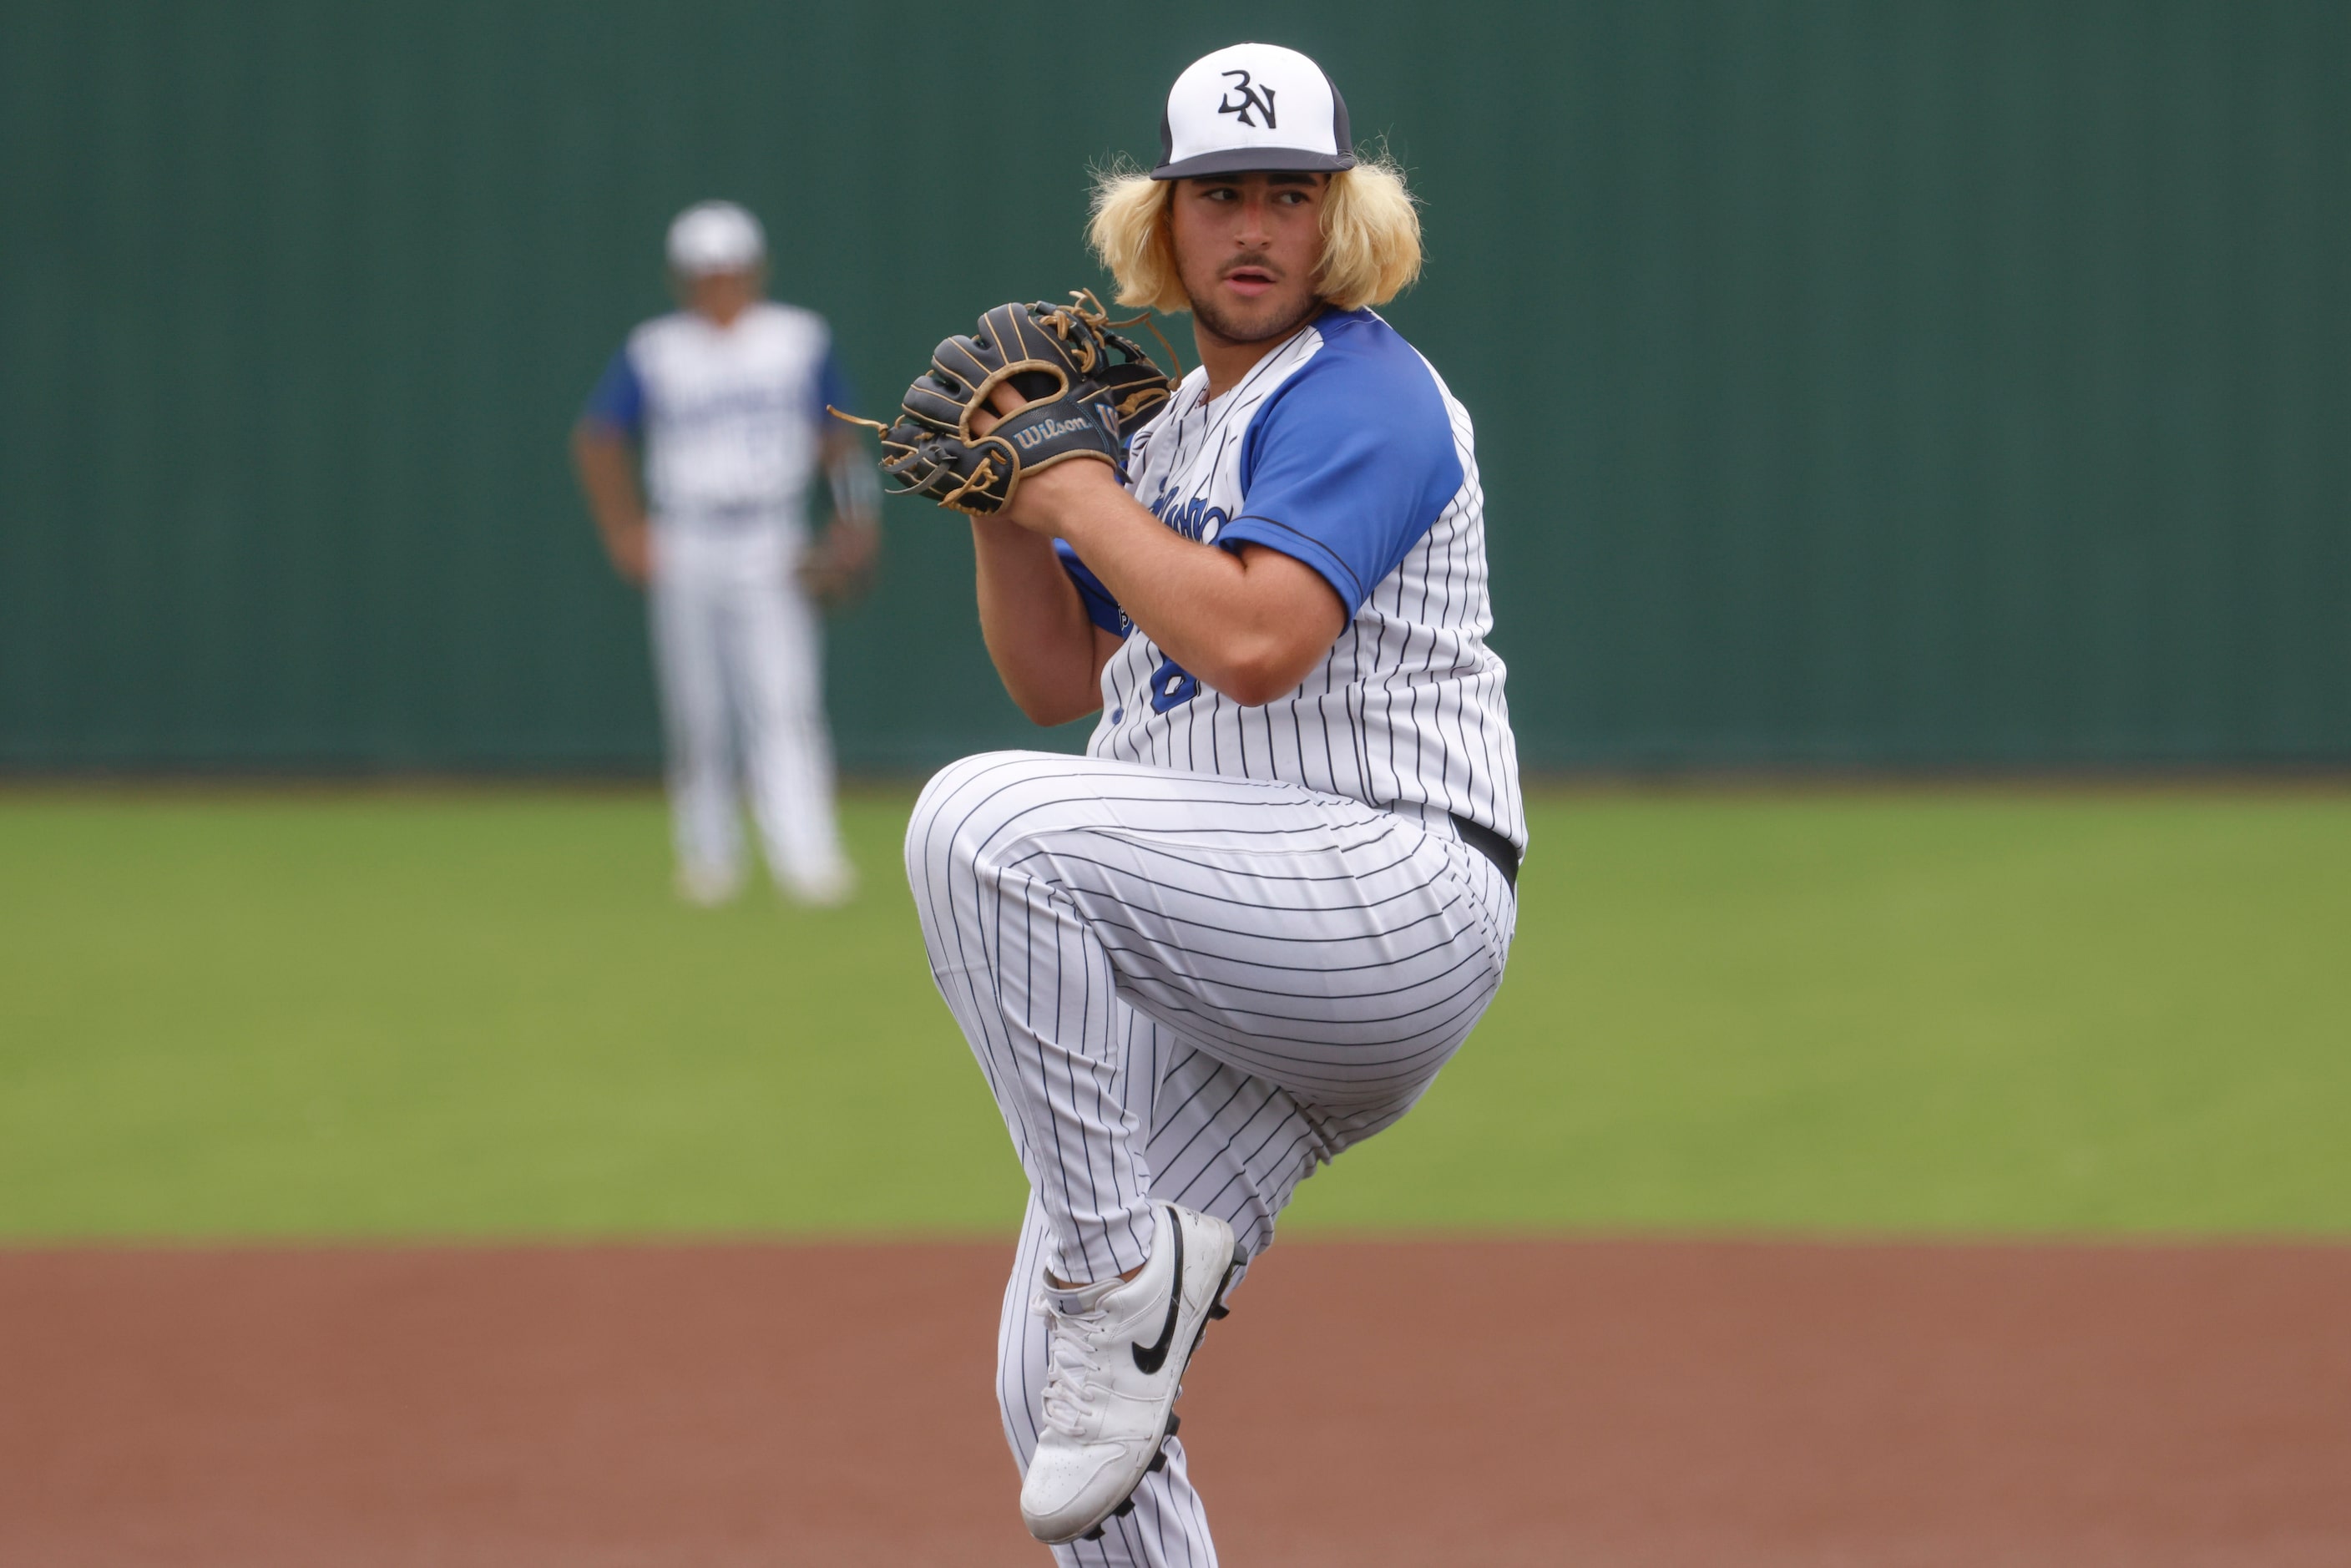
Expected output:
(1083, 389)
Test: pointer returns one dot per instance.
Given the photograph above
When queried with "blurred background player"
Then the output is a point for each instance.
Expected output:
(725, 401)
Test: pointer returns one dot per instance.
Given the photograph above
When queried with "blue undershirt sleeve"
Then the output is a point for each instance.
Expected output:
(1347, 466)
(1102, 609)
(619, 400)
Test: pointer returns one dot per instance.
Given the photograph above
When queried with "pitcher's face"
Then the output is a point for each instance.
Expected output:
(1246, 247)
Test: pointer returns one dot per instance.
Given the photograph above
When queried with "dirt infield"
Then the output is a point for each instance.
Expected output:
(1589, 1403)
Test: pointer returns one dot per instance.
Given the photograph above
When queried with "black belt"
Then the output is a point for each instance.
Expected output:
(1493, 845)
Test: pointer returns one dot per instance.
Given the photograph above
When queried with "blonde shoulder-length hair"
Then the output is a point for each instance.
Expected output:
(1371, 236)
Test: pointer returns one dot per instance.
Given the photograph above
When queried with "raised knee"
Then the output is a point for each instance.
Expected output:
(932, 830)
(960, 809)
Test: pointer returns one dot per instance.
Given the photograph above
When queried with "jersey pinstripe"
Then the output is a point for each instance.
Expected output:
(1409, 705)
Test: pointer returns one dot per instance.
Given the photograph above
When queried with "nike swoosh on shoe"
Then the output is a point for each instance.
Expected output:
(1149, 1359)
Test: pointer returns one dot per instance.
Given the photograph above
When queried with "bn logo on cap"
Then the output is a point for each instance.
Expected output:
(1259, 98)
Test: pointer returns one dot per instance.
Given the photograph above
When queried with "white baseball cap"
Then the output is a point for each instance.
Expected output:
(716, 237)
(1252, 106)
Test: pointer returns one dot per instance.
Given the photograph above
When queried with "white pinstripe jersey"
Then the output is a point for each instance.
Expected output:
(1344, 450)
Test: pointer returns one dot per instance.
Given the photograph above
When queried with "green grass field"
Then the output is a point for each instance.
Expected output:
(480, 1013)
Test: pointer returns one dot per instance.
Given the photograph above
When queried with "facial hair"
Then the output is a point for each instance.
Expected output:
(1235, 330)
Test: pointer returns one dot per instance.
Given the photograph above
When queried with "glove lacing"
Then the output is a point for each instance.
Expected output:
(1085, 307)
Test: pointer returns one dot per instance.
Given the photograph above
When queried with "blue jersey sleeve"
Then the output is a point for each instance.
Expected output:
(1349, 463)
(1102, 608)
(832, 388)
(619, 400)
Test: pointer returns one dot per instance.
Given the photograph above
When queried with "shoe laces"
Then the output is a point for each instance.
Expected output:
(1073, 1346)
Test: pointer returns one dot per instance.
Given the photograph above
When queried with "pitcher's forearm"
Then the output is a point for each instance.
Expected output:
(1037, 633)
(1250, 624)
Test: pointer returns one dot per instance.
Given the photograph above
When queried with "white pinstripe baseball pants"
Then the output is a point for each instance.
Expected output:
(738, 651)
(1186, 987)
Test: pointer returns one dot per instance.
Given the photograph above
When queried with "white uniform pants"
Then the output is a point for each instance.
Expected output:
(738, 652)
(1191, 987)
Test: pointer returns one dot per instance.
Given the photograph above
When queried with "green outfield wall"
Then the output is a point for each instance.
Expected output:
(1960, 383)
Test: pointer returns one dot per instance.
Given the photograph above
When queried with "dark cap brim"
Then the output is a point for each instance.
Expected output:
(1254, 160)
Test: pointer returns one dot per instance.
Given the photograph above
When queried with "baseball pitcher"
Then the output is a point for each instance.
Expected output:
(726, 398)
(1249, 927)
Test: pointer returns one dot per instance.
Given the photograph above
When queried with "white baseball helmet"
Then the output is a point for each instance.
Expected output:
(1252, 106)
(716, 237)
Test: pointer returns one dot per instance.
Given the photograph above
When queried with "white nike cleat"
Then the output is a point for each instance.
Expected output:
(1115, 1364)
